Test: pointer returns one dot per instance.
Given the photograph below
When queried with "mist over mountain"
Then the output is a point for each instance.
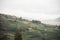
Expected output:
(57, 19)
(54, 20)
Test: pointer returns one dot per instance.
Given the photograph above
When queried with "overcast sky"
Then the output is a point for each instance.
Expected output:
(31, 9)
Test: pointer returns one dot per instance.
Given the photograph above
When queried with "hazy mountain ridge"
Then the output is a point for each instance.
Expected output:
(57, 19)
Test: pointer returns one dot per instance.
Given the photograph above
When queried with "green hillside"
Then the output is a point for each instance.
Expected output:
(31, 30)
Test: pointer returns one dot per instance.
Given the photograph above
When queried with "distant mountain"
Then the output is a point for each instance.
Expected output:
(57, 19)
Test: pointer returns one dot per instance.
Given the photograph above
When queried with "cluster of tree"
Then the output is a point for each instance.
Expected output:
(22, 19)
(36, 21)
(18, 35)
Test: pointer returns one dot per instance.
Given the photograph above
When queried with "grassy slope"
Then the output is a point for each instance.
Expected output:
(36, 32)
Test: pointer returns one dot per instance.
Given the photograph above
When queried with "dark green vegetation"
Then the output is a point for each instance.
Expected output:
(13, 28)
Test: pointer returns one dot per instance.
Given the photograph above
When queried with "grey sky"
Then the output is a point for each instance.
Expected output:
(32, 9)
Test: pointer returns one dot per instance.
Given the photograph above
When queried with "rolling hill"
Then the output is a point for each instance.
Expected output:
(31, 29)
